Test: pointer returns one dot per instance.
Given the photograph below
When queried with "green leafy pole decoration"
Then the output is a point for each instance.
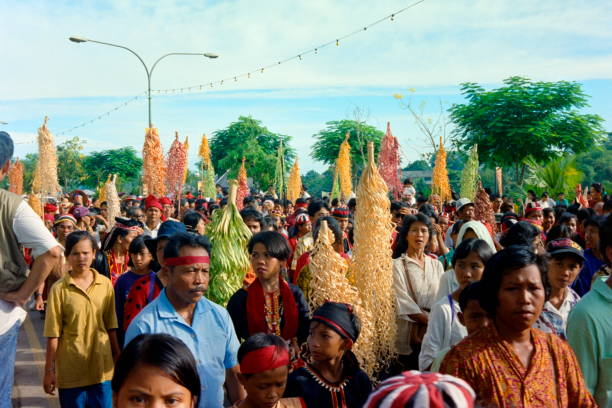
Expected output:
(280, 182)
(469, 175)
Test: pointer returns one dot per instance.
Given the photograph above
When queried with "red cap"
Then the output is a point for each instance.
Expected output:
(152, 202)
(165, 201)
(50, 208)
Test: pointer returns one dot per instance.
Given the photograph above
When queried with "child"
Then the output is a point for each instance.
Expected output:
(80, 326)
(156, 370)
(470, 315)
(444, 329)
(564, 266)
(264, 366)
(332, 378)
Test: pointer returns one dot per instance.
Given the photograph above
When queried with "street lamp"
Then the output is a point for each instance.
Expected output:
(147, 70)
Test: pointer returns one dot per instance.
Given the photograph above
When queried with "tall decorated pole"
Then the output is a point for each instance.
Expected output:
(176, 166)
(154, 164)
(280, 180)
(440, 184)
(15, 178)
(243, 185)
(294, 186)
(344, 168)
(389, 162)
(46, 167)
(469, 175)
(208, 172)
(112, 198)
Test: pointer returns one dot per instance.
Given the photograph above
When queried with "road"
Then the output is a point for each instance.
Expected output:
(30, 365)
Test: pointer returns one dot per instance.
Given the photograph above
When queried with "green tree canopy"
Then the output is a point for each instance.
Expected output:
(315, 183)
(596, 164)
(418, 165)
(524, 118)
(328, 142)
(70, 172)
(124, 162)
(249, 139)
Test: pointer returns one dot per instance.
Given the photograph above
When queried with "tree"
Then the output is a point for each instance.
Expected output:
(558, 175)
(70, 163)
(124, 162)
(315, 183)
(418, 165)
(596, 164)
(249, 139)
(326, 148)
(524, 118)
(29, 165)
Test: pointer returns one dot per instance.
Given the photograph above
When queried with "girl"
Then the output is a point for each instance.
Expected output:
(80, 325)
(156, 370)
(566, 260)
(264, 367)
(445, 329)
(117, 244)
(141, 263)
(195, 222)
(332, 378)
(269, 304)
(416, 279)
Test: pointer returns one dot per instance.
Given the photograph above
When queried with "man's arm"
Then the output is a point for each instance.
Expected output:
(39, 272)
(49, 381)
(235, 390)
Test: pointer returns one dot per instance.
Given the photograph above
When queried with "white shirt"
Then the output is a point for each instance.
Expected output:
(444, 330)
(151, 232)
(407, 273)
(448, 284)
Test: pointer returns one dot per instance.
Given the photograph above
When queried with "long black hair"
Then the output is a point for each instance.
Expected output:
(275, 244)
(165, 352)
(402, 240)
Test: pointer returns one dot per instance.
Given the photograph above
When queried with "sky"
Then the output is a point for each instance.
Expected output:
(431, 48)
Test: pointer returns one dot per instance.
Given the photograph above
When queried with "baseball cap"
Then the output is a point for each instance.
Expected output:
(462, 202)
(564, 246)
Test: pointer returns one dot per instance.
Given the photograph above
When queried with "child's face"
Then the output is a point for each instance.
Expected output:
(141, 260)
(474, 317)
(266, 388)
(469, 269)
(324, 343)
(563, 270)
(149, 386)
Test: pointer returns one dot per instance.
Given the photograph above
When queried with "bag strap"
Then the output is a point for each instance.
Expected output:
(452, 306)
(412, 293)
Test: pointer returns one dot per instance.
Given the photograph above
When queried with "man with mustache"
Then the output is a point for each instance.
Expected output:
(182, 311)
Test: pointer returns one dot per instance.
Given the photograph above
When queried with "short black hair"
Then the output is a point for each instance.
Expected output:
(402, 242)
(191, 220)
(429, 211)
(596, 221)
(605, 238)
(130, 211)
(252, 214)
(352, 203)
(7, 148)
(77, 236)
(333, 225)
(275, 244)
(546, 211)
(598, 187)
(607, 205)
(521, 233)
(316, 206)
(479, 246)
(558, 231)
(503, 262)
(185, 239)
(165, 352)
(469, 293)
(258, 341)
(565, 217)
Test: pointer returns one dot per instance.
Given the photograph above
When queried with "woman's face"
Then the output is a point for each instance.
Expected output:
(149, 386)
(536, 215)
(562, 271)
(141, 260)
(267, 388)
(520, 298)
(81, 256)
(572, 224)
(591, 237)
(304, 228)
(469, 269)
(418, 236)
(201, 227)
(264, 265)
(127, 240)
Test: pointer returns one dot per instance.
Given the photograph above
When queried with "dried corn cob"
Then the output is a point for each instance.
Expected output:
(243, 186)
(469, 175)
(175, 167)
(46, 167)
(208, 172)
(154, 164)
(440, 184)
(15, 177)
(343, 165)
(112, 199)
(372, 265)
(389, 161)
(229, 261)
(294, 186)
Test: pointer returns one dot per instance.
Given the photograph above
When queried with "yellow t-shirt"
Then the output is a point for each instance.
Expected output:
(80, 319)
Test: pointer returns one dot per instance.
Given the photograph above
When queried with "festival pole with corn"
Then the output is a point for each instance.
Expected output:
(112, 199)
(208, 172)
(154, 164)
(176, 166)
(372, 264)
(343, 165)
(46, 167)
(229, 260)
(483, 209)
(440, 184)
(280, 180)
(294, 186)
(243, 186)
(15, 177)
(469, 175)
(389, 162)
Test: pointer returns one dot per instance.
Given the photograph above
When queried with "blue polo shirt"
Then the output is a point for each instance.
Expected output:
(211, 338)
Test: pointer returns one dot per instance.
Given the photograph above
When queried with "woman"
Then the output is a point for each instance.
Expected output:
(117, 244)
(195, 222)
(511, 364)
(302, 227)
(80, 325)
(526, 234)
(156, 370)
(416, 278)
(269, 304)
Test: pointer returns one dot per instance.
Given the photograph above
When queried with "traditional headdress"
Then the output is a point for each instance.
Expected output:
(152, 202)
(339, 317)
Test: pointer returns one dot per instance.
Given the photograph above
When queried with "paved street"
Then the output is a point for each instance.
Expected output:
(29, 366)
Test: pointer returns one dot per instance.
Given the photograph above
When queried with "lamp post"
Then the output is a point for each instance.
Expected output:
(147, 70)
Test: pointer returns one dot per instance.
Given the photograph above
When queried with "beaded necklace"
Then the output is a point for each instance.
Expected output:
(272, 312)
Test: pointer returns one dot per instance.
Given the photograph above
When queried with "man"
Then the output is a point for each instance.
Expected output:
(562, 201)
(589, 328)
(182, 311)
(19, 227)
(341, 214)
(546, 201)
(253, 219)
(167, 209)
(465, 212)
(549, 219)
(153, 214)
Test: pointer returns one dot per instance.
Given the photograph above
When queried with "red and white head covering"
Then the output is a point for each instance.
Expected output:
(301, 219)
(423, 390)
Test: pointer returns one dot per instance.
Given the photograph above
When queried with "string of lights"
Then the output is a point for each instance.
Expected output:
(248, 74)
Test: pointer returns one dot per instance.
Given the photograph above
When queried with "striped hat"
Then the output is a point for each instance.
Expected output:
(423, 390)
(341, 213)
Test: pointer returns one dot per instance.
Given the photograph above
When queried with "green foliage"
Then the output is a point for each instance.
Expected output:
(524, 118)
(596, 164)
(70, 172)
(29, 166)
(248, 138)
(558, 175)
(315, 183)
(418, 165)
(328, 142)
(123, 161)
(469, 175)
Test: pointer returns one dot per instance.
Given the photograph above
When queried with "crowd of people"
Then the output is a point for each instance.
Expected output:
(509, 313)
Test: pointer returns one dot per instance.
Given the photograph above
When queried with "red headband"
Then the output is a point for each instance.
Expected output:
(125, 227)
(264, 359)
(186, 260)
